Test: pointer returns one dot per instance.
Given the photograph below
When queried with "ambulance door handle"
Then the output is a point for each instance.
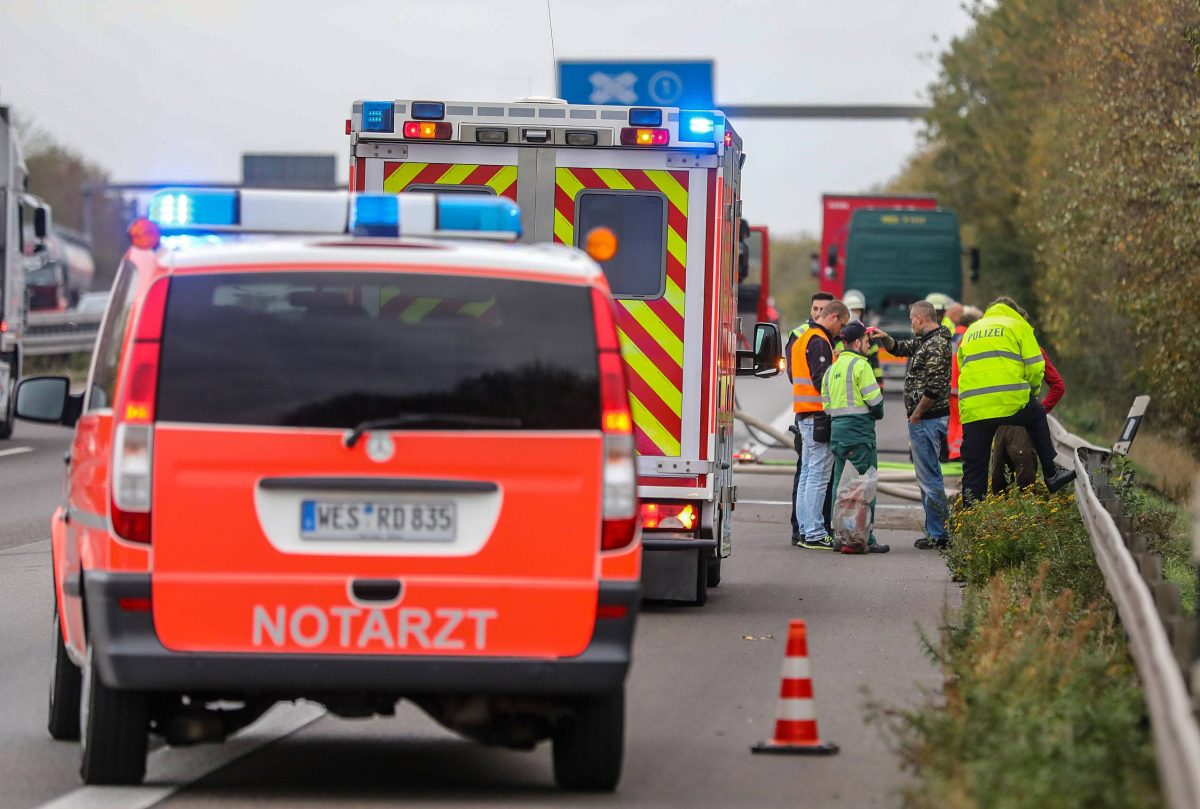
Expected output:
(375, 590)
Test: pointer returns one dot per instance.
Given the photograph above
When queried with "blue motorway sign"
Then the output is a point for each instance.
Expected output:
(687, 84)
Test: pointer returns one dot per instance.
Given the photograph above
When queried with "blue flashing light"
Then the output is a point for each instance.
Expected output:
(194, 208)
(428, 110)
(697, 127)
(376, 215)
(642, 116)
(478, 213)
(378, 116)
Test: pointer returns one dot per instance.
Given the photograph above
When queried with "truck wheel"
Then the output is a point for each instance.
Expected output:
(713, 572)
(589, 744)
(65, 684)
(115, 729)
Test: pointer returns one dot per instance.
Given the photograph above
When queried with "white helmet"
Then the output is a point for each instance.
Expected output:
(854, 299)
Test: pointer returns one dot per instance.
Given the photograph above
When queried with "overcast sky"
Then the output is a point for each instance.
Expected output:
(178, 90)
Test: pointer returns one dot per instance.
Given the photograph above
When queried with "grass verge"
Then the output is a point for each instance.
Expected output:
(1041, 705)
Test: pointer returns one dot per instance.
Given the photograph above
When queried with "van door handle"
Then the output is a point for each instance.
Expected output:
(375, 590)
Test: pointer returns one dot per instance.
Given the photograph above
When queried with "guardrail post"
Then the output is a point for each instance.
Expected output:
(1150, 564)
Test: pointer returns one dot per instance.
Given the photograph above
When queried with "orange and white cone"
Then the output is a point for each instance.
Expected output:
(796, 724)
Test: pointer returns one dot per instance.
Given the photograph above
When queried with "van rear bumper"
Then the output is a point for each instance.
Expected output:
(128, 655)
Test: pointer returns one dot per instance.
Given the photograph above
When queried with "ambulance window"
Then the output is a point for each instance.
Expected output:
(333, 349)
(639, 218)
(432, 188)
(112, 336)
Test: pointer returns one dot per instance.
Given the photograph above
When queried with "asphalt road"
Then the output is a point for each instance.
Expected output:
(702, 690)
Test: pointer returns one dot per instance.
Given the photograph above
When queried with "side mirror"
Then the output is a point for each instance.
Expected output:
(974, 264)
(766, 360)
(48, 399)
(41, 222)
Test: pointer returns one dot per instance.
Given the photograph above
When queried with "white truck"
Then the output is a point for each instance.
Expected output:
(24, 227)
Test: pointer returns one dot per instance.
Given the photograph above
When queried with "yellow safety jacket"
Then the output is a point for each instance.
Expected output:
(849, 388)
(1000, 365)
(805, 396)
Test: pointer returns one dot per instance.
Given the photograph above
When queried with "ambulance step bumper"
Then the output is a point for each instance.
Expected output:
(128, 655)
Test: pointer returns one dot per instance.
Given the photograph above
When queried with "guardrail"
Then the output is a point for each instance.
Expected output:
(60, 333)
(1160, 640)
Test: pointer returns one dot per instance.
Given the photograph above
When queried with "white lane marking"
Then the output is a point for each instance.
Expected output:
(15, 451)
(170, 769)
(789, 502)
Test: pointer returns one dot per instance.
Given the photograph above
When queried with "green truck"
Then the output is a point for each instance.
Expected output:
(895, 257)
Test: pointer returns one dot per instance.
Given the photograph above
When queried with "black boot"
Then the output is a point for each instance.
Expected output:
(1061, 478)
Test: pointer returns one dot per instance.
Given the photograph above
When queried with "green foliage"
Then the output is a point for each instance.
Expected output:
(1041, 709)
(1017, 532)
(1167, 529)
(792, 283)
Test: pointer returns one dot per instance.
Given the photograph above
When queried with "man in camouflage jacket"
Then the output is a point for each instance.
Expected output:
(927, 403)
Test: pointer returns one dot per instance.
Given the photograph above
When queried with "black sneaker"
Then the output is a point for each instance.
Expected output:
(1061, 478)
(797, 539)
(927, 544)
(878, 547)
(822, 544)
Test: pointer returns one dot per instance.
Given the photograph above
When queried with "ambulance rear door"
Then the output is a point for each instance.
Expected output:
(657, 203)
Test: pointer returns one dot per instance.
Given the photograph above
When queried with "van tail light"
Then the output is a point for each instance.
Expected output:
(133, 441)
(669, 516)
(620, 475)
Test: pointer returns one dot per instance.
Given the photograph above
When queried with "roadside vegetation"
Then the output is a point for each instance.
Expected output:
(1041, 705)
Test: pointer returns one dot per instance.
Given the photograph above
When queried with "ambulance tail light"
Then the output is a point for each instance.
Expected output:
(133, 442)
(637, 136)
(428, 130)
(620, 475)
(669, 516)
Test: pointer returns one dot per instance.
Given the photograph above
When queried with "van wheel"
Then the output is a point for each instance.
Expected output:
(65, 683)
(713, 571)
(590, 743)
(115, 729)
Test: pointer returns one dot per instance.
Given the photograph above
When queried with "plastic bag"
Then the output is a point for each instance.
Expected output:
(852, 506)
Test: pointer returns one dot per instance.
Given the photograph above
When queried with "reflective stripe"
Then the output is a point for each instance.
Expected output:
(869, 389)
(1033, 360)
(850, 380)
(994, 389)
(953, 391)
(849, 411)
(874, 400)
(802, 380)
(798, 398)
(987, 355)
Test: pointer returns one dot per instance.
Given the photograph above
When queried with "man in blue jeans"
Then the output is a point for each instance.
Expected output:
(927, 403)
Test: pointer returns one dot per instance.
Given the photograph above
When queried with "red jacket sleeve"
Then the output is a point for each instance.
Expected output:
(1055, 381)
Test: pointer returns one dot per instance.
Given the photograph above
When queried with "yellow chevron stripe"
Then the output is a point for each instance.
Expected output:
(476, 308)
(667, 444)
(568, 182)
(648, 371)
(415, 311)
(456, 174)
(503, 179)
(563, 230)
(614, 179)
(670, 187)
(676, 246)
(658, 331)
(401, 177)
(674, 296)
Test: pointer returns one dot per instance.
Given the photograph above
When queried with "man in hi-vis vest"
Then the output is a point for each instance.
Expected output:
(854, 402)
(1000, 370)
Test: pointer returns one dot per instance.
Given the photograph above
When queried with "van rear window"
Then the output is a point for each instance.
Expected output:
(639, 220)
(335, 349)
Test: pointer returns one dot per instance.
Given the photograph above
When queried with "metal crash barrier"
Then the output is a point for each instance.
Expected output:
(48, 333)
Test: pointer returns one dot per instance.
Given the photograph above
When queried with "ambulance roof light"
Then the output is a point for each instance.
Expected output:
(428, 110)
(176, 207)
(697, 126)
(378, 116)
(643, 116)
(428, 214)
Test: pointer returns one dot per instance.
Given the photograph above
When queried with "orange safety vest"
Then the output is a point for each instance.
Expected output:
(806, 397)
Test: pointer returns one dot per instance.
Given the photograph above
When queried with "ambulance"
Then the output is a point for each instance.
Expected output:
(667, 182)
(329, 448)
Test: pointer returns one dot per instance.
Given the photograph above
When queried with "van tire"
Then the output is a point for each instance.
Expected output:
(115, 730)
(589, 744)
(66, 681)
(713, 571)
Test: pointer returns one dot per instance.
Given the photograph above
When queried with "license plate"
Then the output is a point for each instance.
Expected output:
(378, 520)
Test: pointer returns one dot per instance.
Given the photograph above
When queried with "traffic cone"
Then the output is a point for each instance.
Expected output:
(796, 725)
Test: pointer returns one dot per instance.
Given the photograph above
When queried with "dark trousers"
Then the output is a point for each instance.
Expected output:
(827, 511)
(977, 447)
